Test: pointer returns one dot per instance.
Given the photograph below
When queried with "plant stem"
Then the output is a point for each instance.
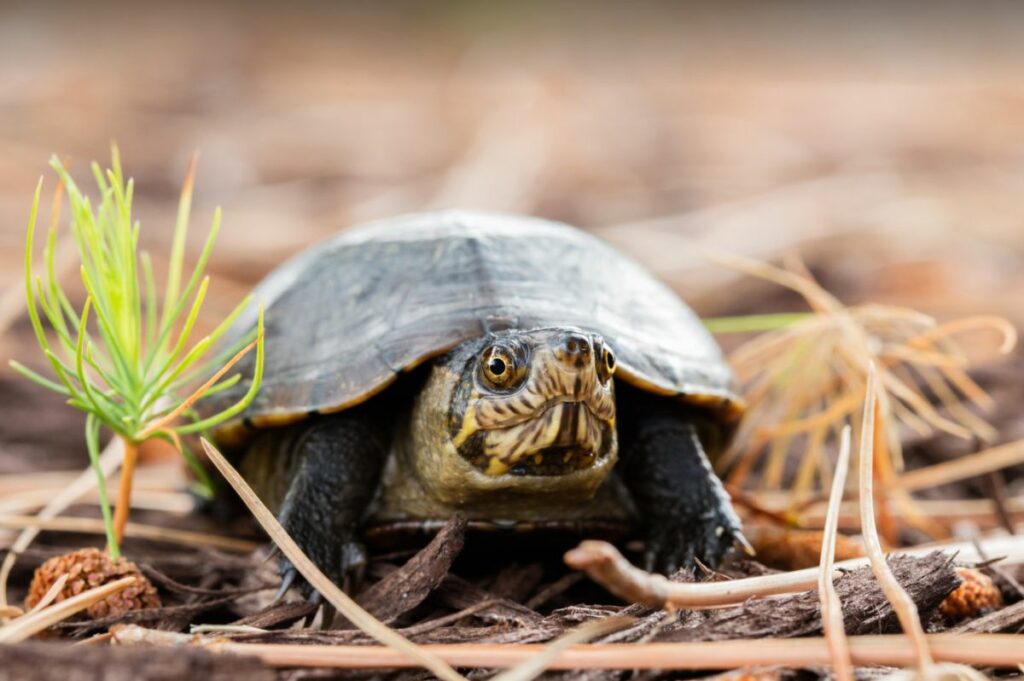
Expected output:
(754, 322)
(124, 493)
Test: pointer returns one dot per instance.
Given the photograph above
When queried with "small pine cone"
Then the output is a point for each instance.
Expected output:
(87, 569)
(976, 595)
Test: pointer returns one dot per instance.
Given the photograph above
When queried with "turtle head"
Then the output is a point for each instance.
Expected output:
(521, 405)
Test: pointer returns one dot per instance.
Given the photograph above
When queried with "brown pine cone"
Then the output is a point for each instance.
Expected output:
(89, 568)
(976, 595)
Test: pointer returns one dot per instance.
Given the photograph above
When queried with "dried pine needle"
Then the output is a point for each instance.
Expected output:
(968, 466)
(108, 462)
(804, 380)
(831, 607)
(902, 603)
(51, 593)
(538, 664)
(137, 530)
(330, 591)
(32, 623)
(1001, 650)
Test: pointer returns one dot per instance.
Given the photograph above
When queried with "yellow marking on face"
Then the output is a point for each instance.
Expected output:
(468, 424)
(554, 423)
(496, 467)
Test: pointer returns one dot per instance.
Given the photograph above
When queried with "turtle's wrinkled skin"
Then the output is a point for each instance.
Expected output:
(546, 381)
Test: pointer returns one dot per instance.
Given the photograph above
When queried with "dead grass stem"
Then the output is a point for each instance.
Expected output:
(532, 667)
(802, 381)
(51, 594)
(109, 461)
(347, 607)
(991, 650)
(136, 530)
(902, 603)
(831, 607)
(32, 623)
(968, 466)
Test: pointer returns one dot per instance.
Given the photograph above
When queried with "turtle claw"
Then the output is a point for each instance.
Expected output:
(740, 542)
(352, 566)
(346, 570)
(288, 577)
(680, 541)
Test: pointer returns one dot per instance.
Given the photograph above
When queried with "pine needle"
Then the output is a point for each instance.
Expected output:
(108, 462)
(137, 530)
(319, 581)
(804, 380)
(51, 593)
(32, 623)
(902, 603)
(537, 665)
(831, 607)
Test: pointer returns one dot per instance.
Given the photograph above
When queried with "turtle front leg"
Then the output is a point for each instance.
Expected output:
(685, 510)
(330, 471)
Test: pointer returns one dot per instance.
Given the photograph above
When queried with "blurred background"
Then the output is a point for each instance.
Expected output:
(882, 142)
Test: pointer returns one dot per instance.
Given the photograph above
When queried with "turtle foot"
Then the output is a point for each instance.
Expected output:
(685, 540)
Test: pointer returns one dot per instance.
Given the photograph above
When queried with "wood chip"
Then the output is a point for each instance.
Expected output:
(409, 585)
(865, 609)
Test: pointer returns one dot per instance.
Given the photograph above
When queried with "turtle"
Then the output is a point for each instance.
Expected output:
(515, 371)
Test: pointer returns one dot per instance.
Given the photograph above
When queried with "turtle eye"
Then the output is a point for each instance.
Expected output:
(605, 364)
(496, 367)
(500, 367)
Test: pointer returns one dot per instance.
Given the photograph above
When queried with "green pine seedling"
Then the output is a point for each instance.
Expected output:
(124, 358)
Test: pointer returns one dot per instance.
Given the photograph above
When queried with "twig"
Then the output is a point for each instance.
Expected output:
(902, 603)
(109, 461)
(335, 596)
(136, 530)
(995, 650)
(610, 569)
(606, 566)
(831, 607)
(32, 623)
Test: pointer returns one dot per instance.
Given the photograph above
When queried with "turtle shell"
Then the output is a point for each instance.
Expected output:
(344, 318)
